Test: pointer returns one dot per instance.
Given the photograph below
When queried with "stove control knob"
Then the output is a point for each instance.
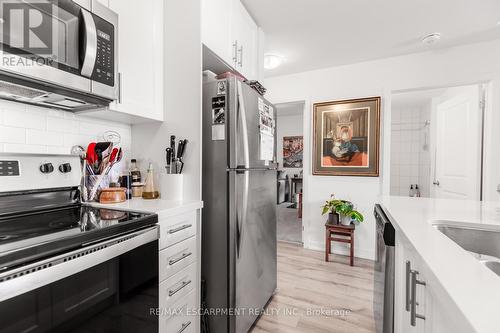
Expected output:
(46, 168)
(65, 168)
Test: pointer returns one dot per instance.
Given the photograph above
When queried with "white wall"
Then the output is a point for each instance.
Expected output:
(454, 66)
(183, 56)
(288, 125)
(30, 129)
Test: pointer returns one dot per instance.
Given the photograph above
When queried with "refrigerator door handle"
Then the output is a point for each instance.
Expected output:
(244, 129)
(241, 216)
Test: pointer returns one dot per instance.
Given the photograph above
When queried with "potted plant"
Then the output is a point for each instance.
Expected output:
(341, 210)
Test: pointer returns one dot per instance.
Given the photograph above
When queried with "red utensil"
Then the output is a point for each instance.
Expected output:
(113, 155)
(91, 155)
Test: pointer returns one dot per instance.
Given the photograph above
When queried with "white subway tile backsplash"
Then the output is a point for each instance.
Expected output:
(62, 125)
(43, 137)
(14, 117)
(58, 150)
(12, 134)
(23, 148)
(30, 129)
(56, 113)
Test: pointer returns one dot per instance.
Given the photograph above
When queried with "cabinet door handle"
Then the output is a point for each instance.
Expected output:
(176, 260)
(235, 51)
(413, 307)
(408, 281)
(185, 226)
(184, 326)
(179, 288)
(240, 51)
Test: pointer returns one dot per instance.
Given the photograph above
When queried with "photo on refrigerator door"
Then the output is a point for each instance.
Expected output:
(293, 151)
(346, 137)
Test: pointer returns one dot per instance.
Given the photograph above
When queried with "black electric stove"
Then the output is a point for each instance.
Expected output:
(40, 224)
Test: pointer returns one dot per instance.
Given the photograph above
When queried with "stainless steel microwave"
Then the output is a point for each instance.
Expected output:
(59, 53)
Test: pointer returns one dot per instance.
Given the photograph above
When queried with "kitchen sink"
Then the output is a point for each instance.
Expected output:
(493, 265)
(483, 243)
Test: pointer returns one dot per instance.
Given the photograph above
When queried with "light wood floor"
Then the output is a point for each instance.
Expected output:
(307, 285)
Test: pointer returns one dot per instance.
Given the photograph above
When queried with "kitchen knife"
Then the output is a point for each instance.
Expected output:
(180, 148)
(168, 158)
(180, 154)
(172, 145)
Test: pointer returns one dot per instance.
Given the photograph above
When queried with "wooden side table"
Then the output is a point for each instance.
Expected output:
(346, 235)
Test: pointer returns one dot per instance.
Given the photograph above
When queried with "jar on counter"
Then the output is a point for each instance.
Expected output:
(137, 189)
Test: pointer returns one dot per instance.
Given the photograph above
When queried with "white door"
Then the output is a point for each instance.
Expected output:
(458, 155)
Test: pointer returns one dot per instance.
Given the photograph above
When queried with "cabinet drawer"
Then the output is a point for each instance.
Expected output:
(178, 286)
(177, 228)
(175, 258)
(182, 318)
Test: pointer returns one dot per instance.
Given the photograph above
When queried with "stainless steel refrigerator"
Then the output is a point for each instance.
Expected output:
(239, 194)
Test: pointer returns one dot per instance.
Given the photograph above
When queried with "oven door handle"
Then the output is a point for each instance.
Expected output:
(90, 35)
(41, 273)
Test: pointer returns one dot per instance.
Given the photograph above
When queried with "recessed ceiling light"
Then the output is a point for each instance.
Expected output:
(431, 38)
(272, 61)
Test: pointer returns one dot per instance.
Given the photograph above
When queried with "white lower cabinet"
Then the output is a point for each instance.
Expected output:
(179, 263)
(421, 305)
(180, 319)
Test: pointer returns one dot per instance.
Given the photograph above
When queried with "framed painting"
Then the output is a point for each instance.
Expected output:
(293, 147)
(346, 137)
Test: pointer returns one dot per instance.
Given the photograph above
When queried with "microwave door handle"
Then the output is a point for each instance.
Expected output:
(90, 44)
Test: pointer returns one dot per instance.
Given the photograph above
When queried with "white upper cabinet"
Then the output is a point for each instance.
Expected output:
(244, 36)
(140, 59)
(216, 28)
(231, 33)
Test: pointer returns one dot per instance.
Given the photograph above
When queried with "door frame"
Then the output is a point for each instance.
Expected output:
(306, 164)
(486, 109)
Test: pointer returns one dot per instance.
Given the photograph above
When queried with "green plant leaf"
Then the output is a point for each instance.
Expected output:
(357, 216)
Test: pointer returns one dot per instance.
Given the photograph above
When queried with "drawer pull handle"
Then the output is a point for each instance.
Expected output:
(176, 290)
(413, 306)
(182, 227)
(184, 326)
(183, 256)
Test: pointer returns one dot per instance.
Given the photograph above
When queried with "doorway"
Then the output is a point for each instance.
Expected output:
(290, 145)
(437, 143)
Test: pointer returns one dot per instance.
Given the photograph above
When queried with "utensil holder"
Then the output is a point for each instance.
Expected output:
(171, 186)
(94, 184)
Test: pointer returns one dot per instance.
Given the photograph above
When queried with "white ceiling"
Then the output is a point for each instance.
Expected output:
(313, 34)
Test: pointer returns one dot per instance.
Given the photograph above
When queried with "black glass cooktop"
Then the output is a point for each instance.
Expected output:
(25, 238)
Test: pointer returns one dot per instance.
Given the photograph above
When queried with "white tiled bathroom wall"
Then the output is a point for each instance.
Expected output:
(30, 129)
(410, 160)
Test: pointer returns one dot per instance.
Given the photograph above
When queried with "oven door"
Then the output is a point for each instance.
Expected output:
(106, 287)
(61, 42)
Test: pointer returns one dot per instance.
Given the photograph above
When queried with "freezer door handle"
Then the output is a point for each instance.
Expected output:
(241, 214)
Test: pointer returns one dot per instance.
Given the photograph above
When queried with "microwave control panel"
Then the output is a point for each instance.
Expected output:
(104, 69)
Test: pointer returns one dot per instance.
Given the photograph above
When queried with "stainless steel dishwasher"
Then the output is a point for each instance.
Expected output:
(383, 284)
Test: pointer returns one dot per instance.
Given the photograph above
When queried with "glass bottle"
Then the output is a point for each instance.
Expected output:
(150, 190)
(412, 192)
(134, 171)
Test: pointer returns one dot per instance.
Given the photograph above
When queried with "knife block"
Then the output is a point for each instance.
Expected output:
(171, 186)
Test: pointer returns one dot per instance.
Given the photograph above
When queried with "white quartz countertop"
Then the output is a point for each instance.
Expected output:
(474, 288)
(164, 208)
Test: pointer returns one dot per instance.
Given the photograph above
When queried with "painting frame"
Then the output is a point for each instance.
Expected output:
(293, 159)
(365, 148)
